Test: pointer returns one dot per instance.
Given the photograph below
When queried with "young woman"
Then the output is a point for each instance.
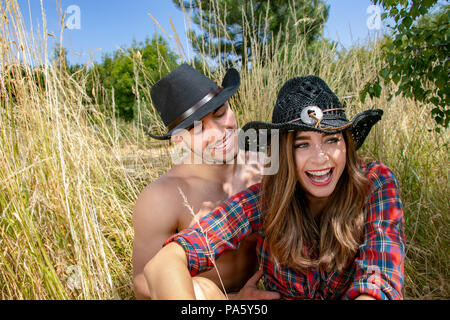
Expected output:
(329, 226)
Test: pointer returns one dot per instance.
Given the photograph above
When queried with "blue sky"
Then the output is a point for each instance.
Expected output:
(107, 24)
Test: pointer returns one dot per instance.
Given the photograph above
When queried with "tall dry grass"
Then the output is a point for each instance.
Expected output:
(70, 173)
(66, 189)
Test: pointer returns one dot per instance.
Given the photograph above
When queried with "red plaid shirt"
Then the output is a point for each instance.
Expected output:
(376, 269)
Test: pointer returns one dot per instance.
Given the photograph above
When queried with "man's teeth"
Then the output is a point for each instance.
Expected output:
(220, 146)
(319, 173)
(223, 144)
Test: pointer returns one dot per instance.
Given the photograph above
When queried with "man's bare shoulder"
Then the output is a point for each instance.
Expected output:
(161, 197)
(165, 186)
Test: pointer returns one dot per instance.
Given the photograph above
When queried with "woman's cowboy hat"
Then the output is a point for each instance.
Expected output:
(308, 104)
(185, 95)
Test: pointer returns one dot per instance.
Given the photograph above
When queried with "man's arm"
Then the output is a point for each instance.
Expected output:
(155, 219)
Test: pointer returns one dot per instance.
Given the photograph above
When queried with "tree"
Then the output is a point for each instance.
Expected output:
(118, 71)
(228, 27)
(417, 54)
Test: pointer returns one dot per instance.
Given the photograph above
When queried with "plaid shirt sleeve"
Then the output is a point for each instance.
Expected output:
(220, 230)
(380, 259)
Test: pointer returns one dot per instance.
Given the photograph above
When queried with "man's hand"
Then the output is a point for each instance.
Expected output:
(251, 292)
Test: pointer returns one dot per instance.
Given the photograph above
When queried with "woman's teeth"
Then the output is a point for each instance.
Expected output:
(319, 173)
(320, 176)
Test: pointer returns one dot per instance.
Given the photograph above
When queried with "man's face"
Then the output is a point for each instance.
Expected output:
(214, 139)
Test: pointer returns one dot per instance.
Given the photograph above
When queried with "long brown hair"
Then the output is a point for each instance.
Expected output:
(295, 239)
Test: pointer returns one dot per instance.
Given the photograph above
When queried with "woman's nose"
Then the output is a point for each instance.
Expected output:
(319, 153)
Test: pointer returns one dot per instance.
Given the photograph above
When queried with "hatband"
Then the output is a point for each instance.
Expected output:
(194, 108)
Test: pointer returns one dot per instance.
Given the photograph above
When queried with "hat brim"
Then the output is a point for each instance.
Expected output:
(362, 124)
(230, 85)
(360, 127)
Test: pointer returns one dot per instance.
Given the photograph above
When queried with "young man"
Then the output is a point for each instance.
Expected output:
(197, 114)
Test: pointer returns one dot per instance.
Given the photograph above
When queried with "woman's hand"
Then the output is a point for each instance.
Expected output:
(167, 275)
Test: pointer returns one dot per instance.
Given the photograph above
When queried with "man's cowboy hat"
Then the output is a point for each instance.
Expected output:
(185, 95)
(308, 104)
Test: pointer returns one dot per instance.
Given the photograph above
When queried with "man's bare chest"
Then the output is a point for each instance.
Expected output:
(199, 205)
(203, 196)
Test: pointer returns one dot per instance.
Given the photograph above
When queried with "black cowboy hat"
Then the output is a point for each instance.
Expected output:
(308, 104)
(185, 95)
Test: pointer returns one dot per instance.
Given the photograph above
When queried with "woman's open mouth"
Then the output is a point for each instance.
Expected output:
(320, 177)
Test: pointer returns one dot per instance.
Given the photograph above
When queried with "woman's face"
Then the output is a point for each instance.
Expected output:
(319, 160)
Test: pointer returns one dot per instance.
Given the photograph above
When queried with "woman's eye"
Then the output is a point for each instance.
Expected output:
(333, 140)
(301, 145)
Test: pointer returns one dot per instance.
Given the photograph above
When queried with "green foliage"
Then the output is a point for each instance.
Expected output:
(121, 71)
(230, 27)
(417, 54)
